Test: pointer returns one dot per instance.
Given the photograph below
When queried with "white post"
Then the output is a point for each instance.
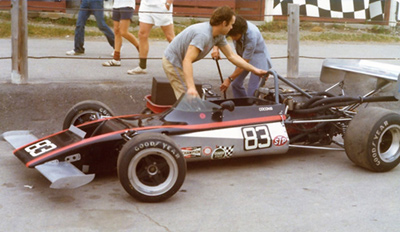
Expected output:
(293, 40)
(19, 42)
(392, 15)
(269, 7)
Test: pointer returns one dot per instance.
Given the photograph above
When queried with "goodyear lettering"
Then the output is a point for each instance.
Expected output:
(153, 144)
(375, 155)
(146, 144)
(171, 150)
(374, 151)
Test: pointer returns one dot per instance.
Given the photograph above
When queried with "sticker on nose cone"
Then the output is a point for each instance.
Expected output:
(222, 152)
(280, 140)
(191, 152)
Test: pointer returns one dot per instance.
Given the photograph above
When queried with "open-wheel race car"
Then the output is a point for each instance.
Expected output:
(150, 150)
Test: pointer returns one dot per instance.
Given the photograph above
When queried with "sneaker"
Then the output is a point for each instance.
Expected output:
(137, 70)
(112, 63)
(74, 53)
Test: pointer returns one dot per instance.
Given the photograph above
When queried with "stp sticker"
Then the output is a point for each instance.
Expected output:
(280, 140)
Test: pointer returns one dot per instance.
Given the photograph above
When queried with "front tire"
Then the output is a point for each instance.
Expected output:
(86, 111)
(151, 167)
(372, 140)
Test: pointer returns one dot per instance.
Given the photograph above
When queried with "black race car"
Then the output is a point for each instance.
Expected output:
(150, 151)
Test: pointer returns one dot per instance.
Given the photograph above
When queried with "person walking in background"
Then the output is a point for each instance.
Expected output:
(250, 45)
(147, 19)
(194, 43)
(88, 7)
(121, 16)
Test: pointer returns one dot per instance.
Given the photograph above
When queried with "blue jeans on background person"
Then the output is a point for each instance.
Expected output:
(87, 8)
(238, 89)
(259, 60)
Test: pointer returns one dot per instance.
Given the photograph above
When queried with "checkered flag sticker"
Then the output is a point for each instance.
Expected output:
(228, 150)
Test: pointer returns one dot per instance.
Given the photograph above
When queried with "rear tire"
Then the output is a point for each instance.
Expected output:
(86, 111)
(372, 140)
(151, 167)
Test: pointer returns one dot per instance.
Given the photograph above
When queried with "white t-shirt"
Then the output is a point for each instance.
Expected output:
(152, 2)
(124, 3)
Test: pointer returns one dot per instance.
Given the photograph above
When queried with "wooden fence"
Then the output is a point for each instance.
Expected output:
(37, 5)
(249, 9)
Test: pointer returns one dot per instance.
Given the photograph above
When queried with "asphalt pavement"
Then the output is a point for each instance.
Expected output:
(299, 191)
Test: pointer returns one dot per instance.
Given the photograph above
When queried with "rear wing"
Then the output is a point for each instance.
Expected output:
(336, 70)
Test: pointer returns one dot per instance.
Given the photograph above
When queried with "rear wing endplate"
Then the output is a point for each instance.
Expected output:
(336, 70)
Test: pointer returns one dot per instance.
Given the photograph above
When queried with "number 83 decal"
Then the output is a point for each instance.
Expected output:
(40, 148)
(257, 137)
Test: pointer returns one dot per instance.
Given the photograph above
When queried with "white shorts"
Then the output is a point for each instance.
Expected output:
(150, 16)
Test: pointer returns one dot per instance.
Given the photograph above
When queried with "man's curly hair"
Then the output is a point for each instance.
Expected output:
(220, 15)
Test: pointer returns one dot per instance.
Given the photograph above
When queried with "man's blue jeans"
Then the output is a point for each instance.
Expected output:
(87, 8)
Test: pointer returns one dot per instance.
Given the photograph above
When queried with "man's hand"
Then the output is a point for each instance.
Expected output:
(225, 85)
(168, 4)
(215, 53)
(259, 72)
(192, 92)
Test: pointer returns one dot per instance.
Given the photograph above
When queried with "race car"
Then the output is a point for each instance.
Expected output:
(150, 150)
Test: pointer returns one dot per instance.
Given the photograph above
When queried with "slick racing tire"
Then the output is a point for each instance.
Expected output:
(86, 111)
(151, 167)
(372, 140)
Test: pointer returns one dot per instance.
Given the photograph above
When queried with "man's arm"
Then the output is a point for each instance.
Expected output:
(228, 81)
(187, 65)
(239, 61)
(167, 4)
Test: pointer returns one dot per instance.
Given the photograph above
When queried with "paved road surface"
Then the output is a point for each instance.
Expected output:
(299, 191)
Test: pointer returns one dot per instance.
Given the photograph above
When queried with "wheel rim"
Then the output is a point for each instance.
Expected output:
(153, 172)
(86, 116)
(389, 144)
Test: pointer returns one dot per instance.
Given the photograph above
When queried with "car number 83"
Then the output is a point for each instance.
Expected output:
(257, 137)
(40, 148)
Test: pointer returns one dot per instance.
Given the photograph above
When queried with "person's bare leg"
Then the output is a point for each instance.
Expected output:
(124, 29)
(118, 37)
(169, 32)
(116, 61)
(144, 32)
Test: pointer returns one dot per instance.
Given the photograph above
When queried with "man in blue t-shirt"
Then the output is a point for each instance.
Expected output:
(250, 45)
(194, 43)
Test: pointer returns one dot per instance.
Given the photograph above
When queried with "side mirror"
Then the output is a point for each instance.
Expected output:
(226, 105)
